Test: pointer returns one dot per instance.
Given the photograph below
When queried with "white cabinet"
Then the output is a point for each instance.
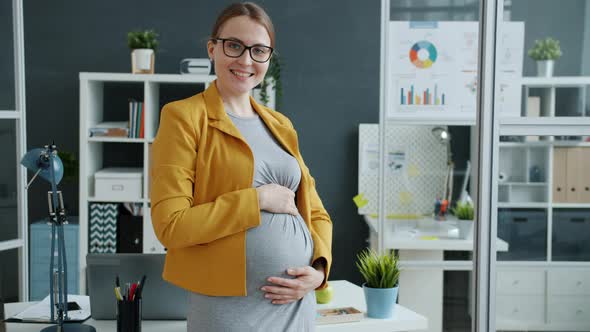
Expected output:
(97, 105)
(568, 300)
(520, 297)
(543, 281)
(520, 283)
(524, 309)
(569, 310)
(569, 282)
(543, 298)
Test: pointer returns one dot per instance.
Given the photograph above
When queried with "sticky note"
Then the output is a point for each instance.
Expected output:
(426, 237)
(405, 197)
(413, 171)
(360, 200)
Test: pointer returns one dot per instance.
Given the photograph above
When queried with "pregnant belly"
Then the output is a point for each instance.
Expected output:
(280, 241)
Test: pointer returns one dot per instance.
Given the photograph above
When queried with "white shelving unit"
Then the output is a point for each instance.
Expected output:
(92, 149)
(517, 184)
(543, 282)
(549, 87)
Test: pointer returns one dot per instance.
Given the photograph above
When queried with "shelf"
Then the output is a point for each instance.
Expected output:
(534, 184)
(571, 143)
(556, 81)
(411, 119)
(543, 144)
(523, 205)
(116, 139)
(524, 144)
(545, 126)
(163, 78)
(571, 205)
(95, 199)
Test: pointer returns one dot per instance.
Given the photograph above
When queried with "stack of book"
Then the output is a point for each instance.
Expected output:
(136, 110)
(134, 128)
(338, 315)
(110, 129)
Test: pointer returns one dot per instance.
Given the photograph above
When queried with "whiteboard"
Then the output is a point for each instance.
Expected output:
(432, 69)
(415, 170)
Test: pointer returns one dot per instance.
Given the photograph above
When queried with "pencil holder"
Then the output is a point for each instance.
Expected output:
(129, 316)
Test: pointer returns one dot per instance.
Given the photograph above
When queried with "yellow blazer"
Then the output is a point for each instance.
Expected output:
(202, 200)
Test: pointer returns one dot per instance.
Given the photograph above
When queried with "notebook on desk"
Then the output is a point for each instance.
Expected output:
(160, 300)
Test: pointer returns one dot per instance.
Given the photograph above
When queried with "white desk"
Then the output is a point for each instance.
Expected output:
(423, 241)
(345, 294)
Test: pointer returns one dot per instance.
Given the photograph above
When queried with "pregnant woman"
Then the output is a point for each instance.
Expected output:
(232, 199)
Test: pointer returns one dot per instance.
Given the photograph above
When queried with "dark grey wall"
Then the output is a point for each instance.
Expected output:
(561, 20)
(566, 22)
(331, 81)
(6, 57)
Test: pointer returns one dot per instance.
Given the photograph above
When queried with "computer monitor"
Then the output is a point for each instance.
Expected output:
(160, 299)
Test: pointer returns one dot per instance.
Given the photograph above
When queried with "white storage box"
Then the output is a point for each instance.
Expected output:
(119, 184)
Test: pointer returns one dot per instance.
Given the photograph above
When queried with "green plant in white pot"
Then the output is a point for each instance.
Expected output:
(143, 45)
(545, 52)
(381, 275)
(465, 213)
(270, 90)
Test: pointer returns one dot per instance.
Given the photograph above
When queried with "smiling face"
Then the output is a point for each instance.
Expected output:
(238, 76)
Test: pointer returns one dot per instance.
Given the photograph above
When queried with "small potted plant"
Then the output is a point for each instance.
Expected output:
(70, 163)
(143, 45)
(465, 213)
(545, 52)
(270, 91)
(381, 275)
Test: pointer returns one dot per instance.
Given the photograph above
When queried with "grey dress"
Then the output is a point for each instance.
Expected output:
(279, 242)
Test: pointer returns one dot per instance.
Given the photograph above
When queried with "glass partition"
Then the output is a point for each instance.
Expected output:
(543, 188)
(543, 280)
(427, 118)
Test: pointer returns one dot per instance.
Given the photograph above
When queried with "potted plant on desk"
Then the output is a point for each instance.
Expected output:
(465, 213)
(545, 52)
(143, 44)
(381, 275)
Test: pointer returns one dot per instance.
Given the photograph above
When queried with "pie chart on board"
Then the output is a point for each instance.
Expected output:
(423, 54)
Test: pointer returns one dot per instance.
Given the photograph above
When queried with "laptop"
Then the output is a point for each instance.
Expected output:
(160, 299)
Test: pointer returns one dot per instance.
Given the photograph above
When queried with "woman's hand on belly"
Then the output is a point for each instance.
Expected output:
(276, 199)
(291, 290)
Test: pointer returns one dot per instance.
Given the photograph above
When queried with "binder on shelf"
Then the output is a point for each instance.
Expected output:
(130, 228)
(103, 228)
(142, 121)
(136, 119)
(131, 111)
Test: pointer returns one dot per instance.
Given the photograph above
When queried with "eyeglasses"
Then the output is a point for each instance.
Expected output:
(234, 49)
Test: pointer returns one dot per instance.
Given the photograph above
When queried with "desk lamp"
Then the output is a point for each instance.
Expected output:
(46, 163)
(444, 137)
